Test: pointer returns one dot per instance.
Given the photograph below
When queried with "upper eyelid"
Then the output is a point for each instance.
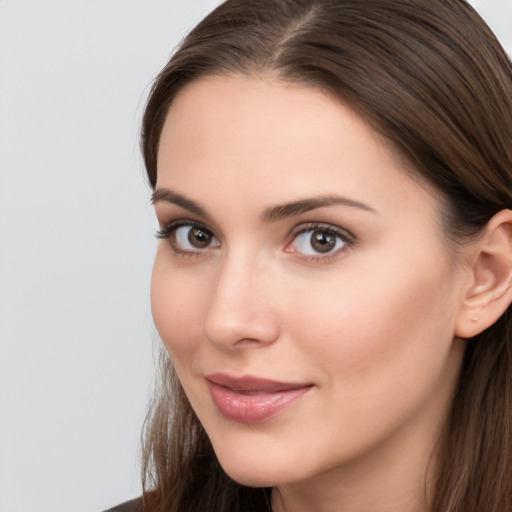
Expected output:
(167, 228)
(185, 222)
(311, 226)
(166, 220)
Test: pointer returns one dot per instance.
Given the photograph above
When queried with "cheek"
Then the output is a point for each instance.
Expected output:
(177, 309)
(380, 347)
(378, 326)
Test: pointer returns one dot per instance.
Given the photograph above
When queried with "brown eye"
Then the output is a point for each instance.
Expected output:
(322, 241)
(317, 240)
(199, 238)
(193, 238)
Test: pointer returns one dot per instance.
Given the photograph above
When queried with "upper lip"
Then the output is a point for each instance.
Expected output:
(252, 383)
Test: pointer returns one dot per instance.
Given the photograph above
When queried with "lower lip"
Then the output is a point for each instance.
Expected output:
(253, 408)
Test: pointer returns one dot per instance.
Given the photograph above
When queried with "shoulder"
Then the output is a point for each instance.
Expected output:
(128, 506)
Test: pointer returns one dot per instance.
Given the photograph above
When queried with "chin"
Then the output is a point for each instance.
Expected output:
(254, 477)
(263, 472)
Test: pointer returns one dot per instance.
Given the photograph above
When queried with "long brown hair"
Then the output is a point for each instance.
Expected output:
(432, 78)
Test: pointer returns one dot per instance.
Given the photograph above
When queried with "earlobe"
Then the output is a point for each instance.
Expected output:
(490, 293)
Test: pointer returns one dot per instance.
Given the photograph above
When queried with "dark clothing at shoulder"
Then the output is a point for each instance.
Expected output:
(128, 506)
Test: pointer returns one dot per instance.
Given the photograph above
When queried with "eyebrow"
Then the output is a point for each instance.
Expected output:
(280, 212)
(168, 196)
(269, 215)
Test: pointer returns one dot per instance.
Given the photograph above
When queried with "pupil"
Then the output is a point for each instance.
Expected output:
(199, 237)
(322, 242)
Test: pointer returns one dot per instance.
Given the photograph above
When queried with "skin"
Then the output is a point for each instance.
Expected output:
(371, 323)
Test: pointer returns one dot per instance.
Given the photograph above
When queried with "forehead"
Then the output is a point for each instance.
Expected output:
(265, 138)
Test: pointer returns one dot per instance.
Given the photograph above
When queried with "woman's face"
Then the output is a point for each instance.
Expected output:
(302, 285)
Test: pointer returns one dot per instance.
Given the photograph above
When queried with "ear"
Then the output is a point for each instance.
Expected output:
(490, 290)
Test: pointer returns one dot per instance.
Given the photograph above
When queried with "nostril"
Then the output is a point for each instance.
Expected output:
(248, 342)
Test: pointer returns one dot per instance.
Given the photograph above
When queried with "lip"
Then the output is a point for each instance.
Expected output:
(251, 399)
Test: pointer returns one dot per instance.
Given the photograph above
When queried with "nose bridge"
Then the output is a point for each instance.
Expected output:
(240, 307)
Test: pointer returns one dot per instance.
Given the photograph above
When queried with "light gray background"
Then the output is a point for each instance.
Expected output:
(76, 336)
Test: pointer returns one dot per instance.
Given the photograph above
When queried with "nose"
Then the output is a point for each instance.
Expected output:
(241, 310)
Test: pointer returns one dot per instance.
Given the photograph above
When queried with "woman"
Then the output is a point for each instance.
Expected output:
(333, 182)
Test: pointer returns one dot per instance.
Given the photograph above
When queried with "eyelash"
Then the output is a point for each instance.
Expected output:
(347, 238)
(169, 231)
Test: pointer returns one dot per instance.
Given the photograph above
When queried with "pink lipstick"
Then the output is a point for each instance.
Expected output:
(252, 399)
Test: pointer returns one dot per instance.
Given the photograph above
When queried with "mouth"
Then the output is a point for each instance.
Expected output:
(253, 399)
